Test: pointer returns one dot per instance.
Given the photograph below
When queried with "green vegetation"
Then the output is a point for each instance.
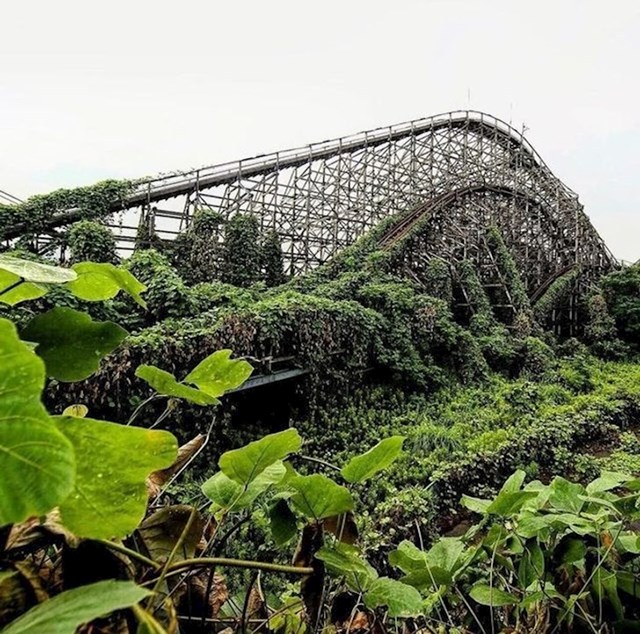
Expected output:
(89, 240)
(31, 217)
(622, 293)
(438, 459)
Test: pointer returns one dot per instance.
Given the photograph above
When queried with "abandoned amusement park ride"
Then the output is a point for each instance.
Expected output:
(448, 178)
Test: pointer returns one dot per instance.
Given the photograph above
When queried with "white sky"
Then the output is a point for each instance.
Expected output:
(90, 90)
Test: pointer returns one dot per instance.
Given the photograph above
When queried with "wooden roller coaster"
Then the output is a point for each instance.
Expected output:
(453, 175)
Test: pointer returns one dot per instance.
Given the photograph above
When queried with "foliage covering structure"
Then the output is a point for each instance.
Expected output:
(343, 324)
(241, 259)
(95, 202)
(272, 260)
(91, 241)
(197, 253)
(622, 294)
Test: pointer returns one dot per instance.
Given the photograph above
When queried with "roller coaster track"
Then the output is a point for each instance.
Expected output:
(463, 169)
(9, 199)
(151, 190)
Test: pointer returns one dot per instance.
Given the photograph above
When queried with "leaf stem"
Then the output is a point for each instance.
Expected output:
(319, 461)
(142, 405)
(121, 548)
(172, 555)
(239, 563)
(11, 287)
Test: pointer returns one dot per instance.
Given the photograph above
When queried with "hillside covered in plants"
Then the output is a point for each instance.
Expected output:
(358, 448)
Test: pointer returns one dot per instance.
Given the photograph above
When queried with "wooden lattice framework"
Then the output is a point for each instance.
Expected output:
(468, 168)
(462, 171)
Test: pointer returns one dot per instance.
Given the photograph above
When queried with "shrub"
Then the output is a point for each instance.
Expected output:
(537, 358)
(166, 296)
(272, 260)
(622, 293)
(600, 331)
(241, 260)
(89, 240)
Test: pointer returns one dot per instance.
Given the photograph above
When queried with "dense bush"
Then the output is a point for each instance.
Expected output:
(622, 293)
(89, 240)
(167, 295)
(197, 253)
(242, 256)
(272, 260)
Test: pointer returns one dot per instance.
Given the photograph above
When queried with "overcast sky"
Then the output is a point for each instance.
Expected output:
(90, 90)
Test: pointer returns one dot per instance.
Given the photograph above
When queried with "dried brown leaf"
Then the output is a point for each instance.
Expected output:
(360, 621)
(311, 586)
(160, 532)
(192, 597)
(158, 479)
(35, 533)
(220, 594)
(343, 527)
(256, 604)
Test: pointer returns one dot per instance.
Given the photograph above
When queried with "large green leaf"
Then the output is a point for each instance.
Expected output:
(345, 560)
(113, 461)
(608, 480)
(71, 343)
(532, 565)
(247, 463)
(317, 496)
(212, 377)
(35, 272)
(64, 613)
(37, 463)
(165, 383)
(510, 498)
(282, 521)
(227, 494)
(408, 557)
(218, 373)
(429, 579)
(565, 495)
(362, 467)
(605, 583)
(627, 581)
(446, 553)
(533, 526)
(509, 503)
(100, 281)
(630, 542)
(477, 505)
(486, 595)
(433, 568)
(514, 482)
(401, 600)
(13, 291)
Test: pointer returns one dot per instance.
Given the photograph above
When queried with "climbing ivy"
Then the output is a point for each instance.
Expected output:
(554, 295)
(91, 240)
(600, 330)
(437, 280)
(198, 252)
(621, 290)
(167, 295)
(241, 260)
(474, 291)
(34, 215)
(272, 260)
(508, 269)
